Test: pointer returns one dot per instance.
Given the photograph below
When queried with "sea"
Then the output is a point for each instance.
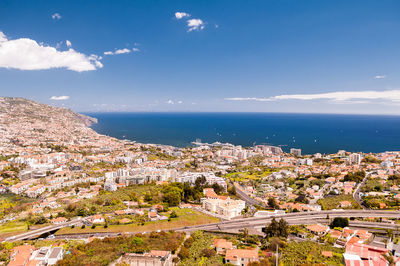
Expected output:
(323, 133)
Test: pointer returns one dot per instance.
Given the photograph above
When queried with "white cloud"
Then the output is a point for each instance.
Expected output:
(122, 51)
(180, 102)
(379, 77)
(135, 49)
(170, 102)
(27, 54)
(340, 96)
(119, 51)
(56, 16)
(180, 15)
(3, 37)
(195, 24)
(68, 43)
(59, 98)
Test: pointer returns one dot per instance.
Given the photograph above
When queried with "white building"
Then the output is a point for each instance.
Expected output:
(295, 152)
(355, 158)
(227, 208)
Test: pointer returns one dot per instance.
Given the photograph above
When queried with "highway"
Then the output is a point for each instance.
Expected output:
(256, 222)
(301, 218)
(249, 200)
(37, 232)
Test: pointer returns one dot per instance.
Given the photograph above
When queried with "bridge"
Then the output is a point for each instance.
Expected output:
(255, 222)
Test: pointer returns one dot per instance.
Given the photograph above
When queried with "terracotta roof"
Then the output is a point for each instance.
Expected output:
(222, 243)
(20, 255)
(326, 253)
(210, 193)
(365, 251)
(124, 221)
(235, 254)
(317, 228)
(159, 253)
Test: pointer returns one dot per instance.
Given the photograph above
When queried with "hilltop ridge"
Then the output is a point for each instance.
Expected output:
(26, 122)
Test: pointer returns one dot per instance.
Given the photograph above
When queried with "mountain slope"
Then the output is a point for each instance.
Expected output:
(25, 122)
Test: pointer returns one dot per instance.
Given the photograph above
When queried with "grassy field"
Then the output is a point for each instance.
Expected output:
(186, 217)
(332, 202)
(244, 176)
(10, 228)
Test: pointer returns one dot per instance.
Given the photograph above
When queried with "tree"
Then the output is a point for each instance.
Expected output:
(172, 196)
(283, 228)
(277, 229)
(232, 190)
(356, 176)
(208, 252)
(272, 203)
(183, 253)
(339, 222)
(272, 229)
(217, 188)
(173, 215)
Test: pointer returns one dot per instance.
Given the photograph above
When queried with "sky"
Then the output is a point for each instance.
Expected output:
(203, 56)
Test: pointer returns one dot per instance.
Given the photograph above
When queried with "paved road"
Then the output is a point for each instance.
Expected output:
(299, 218)
(356, 194)
(249, 200)
(40, 231)
(254, 222)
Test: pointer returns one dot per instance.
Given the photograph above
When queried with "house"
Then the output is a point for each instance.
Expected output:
(318, 229)
(360, 254)
(120, 212)
(56, 254)
(153, 258)
(221, 245)
(241, 257)
(20, 255)
(96, 219)
(41, 255)
(327, 253)
(224, 206)
(153, 215)
(209, 193)
(124, 221)
(345, 204)
(59, 220)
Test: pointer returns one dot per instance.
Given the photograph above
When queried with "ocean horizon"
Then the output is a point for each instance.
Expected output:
(324, 133)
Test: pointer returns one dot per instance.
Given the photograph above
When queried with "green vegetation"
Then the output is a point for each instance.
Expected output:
(355, 177)
(11, 203)
(13, 227)
(309, 253)
(103, 252)
(372, 185)
(333, 202)
(277, 229)
(339, 222)
(196, 251)
(371, 159)
(248, 175)
(186, 217)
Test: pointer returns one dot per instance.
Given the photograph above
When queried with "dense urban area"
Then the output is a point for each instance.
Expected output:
(70, 196)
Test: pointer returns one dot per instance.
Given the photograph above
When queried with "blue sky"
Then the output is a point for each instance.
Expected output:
(244, 56)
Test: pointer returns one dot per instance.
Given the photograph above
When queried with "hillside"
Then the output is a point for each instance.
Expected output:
(25, 122)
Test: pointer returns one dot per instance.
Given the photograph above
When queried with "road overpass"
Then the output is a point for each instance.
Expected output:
(301, 218)
(40, 231)
(255, 222)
